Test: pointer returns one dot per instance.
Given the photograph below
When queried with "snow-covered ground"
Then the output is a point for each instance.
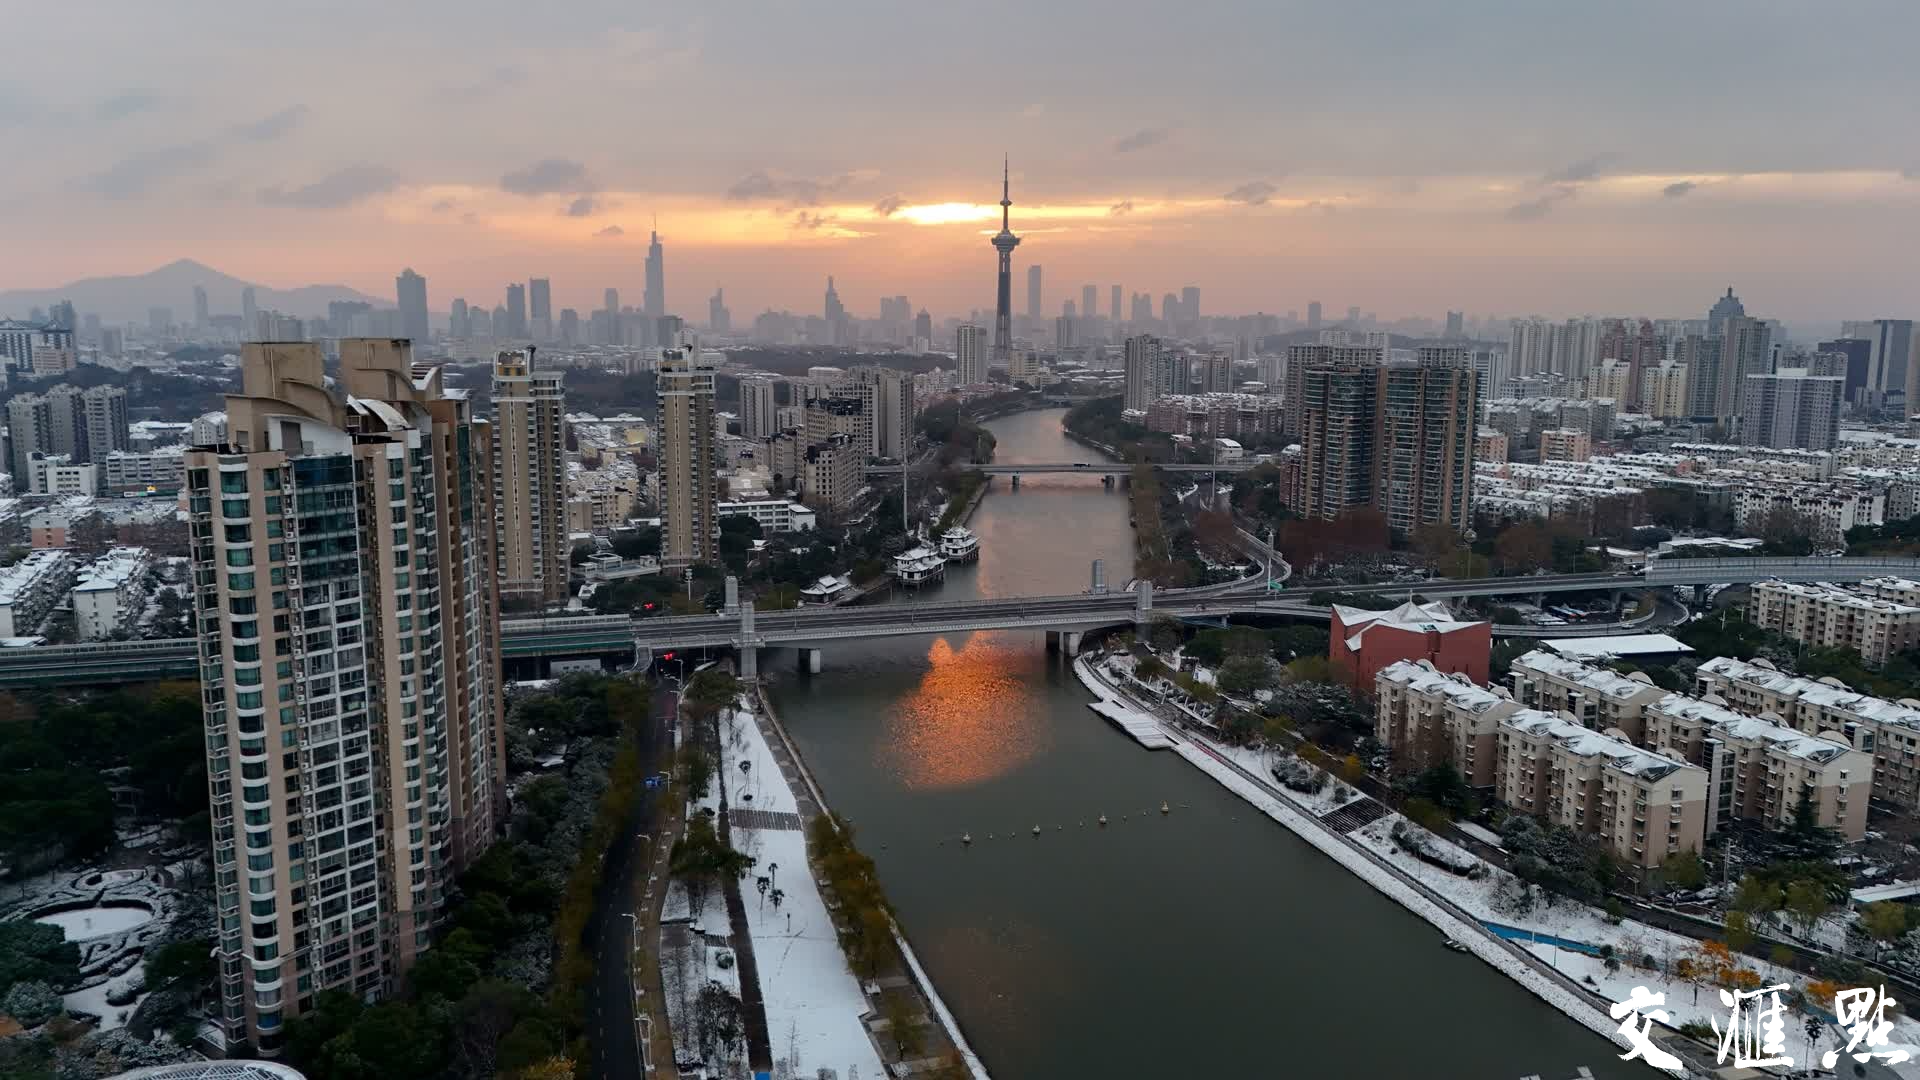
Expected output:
(1632, 941)
(814, 1003)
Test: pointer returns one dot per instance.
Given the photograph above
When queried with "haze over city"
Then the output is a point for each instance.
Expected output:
(1402, 156)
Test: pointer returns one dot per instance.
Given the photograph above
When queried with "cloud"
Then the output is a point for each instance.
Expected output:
(469, 218)
(1535, 209)
(1033, 111)
(1678, 188)
(789, 191)
(124, 104)
(1910, 174)
(1120, 208)
(584, 206)
(441, 206)
(1142, 139)
(269, 128)
(611, 231)
(1587, 168)
(889, 206)
(501, 78)
(1254, 193)
(811, 222)
(549, 176)
(335, 190)
(135, 173)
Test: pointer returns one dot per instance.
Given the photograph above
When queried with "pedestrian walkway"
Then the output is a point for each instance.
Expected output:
(1355, 815)
(765, 819)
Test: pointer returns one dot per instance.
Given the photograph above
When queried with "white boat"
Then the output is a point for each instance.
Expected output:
(826, 591)
(959, 544)
(919, 566)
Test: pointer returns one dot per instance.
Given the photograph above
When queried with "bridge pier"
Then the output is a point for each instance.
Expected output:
(1142, 606)
(1065, 642)
(748, 644)
(1106, 481)
(810, 661)
(1016, 481)
(732, 604)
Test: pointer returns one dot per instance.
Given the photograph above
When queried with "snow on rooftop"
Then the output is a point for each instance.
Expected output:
(1568, 669)
(1577, 739)
(1421, 676)
(1600, 648)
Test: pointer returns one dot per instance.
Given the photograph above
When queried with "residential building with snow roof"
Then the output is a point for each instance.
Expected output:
(1889, 730)
(108, 593)
(1597, 697)
(1828, 617)
(1761, 770)
(1362, 642)
(1424, 716)
(1644, 806)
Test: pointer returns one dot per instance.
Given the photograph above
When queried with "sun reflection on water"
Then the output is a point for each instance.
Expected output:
(971, 718)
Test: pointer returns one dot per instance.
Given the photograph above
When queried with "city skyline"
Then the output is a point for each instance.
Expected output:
(1406, 201)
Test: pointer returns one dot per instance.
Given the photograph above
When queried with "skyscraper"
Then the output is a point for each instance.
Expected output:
(1089, 302)
(249, 312)
(1034, 296)
(655, 298)
(1456, 325)
(756, 407)
(200, 307)
(892, 404)
(530, 449)
(1395, 437)
(540, 303)
(923, 328)
(1791, 409)
(1142, 370)
(1859, 359)
(1004, 242)
(1747, 350)
(1190, 306)
(411, 289)
(29, 432)
(516, 313)
(1890, 359)
(687, 486)
(384, 772)
(103, 412)
(1726, 307)
(719, 319)
(970, 354)
(1114, 313)
(1302, 357)
(459, 325)
(1313, 315)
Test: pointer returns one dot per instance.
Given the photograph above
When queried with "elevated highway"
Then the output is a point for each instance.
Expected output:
(1085, 468)
(1067, 615)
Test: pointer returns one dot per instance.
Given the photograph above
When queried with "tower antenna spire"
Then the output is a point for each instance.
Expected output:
(1006, 198)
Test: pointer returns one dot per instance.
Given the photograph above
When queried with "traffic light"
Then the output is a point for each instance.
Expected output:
(666, 656)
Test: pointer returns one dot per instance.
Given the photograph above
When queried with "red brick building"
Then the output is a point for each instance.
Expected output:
(1362, 642)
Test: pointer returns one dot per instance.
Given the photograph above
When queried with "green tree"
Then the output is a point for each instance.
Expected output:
(1739, 927)
(1246, 674)
(1884, 921)
(1683, 871)
(1807, 903)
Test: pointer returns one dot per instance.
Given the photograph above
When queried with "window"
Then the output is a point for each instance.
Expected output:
(240, 556)
(238, 581)
(233, 508)
(242, 605)
(233, 483)
(239, 534)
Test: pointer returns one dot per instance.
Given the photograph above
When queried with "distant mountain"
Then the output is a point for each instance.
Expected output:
(127, 299)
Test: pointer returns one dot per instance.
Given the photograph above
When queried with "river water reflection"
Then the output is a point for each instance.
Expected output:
(1208, 942)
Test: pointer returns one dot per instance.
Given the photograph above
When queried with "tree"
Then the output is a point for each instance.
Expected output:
(554, 1068)
(36, 952)
(1524, 547)
(1245, 675)
(1435, 542)
(1884, 921)
(1739, 927)
(1165, 633)
(1807, 903)
(32, 1003)
(1683, 871)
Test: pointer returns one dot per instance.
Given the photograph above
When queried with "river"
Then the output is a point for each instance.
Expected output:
(1208, 942)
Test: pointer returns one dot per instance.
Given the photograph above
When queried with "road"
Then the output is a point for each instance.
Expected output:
(612, 1032)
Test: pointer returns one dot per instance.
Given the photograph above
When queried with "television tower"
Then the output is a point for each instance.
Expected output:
(1004, 242)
